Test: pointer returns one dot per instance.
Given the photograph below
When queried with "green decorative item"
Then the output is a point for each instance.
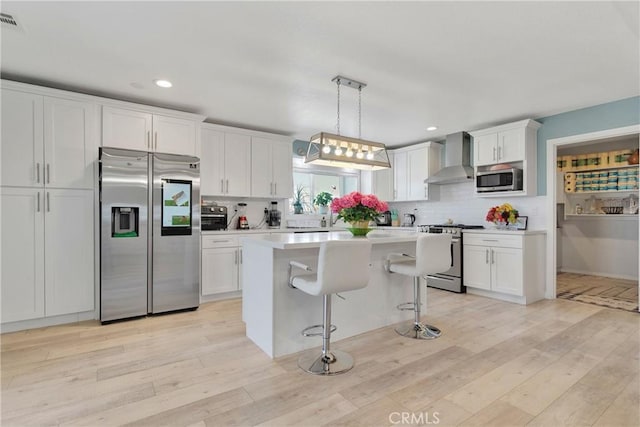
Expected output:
(322, 200)
(359, 228)
(298, 199)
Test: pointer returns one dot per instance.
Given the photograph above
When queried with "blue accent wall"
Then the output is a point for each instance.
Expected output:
(625, 112)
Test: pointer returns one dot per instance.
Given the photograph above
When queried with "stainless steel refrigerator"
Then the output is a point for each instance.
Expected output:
(150, 233)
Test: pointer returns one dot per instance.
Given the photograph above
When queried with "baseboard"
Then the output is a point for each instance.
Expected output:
(598, 273)
(220, 296)
(47, 321)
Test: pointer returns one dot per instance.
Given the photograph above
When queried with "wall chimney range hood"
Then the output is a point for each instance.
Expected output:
(457, 161)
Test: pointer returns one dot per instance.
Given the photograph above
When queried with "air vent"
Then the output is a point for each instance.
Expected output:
(8, 20)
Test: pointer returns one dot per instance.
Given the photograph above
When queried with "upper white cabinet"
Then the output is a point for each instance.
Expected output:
(514, 144)
(382, 184)
(411, 166)
(225, 162)
(144, 131)
(46, 141)
(271, 168)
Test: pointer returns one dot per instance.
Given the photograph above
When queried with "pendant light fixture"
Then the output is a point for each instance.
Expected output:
(330, 149)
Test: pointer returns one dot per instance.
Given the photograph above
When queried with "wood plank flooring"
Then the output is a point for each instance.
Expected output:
(604, 291)
(497, 364)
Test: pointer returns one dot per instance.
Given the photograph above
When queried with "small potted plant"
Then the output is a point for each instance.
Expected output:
(322, 200)
(298, 199)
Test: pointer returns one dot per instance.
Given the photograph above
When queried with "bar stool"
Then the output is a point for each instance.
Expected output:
(433, 255)
(342, 266)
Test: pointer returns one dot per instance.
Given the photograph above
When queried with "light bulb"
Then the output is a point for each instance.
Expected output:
(326, 149)
(370, 155)
(360, 154)
(349, 152)
(338, 151)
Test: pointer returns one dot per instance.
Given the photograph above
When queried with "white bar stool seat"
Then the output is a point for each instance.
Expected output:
(342, 266)
(433, 255)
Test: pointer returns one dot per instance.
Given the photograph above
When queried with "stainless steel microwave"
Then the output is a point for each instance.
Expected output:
(499, 180)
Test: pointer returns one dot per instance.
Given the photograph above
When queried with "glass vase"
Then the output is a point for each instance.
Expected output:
(359, 228)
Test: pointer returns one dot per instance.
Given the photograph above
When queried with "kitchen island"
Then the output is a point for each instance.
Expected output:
(275, 313)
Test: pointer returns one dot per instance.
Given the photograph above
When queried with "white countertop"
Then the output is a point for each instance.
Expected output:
(506, 232)
(313, 240)
(299, 230)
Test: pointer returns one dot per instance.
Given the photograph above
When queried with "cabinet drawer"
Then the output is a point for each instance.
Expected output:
(222, 241)
(493, 240)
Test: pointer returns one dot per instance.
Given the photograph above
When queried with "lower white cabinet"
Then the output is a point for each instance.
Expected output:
(505, 265)
(222, 262)
(47, 252)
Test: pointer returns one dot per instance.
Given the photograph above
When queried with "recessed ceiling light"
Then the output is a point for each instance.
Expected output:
(430, 128)
(163, 83)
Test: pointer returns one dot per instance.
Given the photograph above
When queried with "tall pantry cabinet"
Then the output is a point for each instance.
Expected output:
(46, 191)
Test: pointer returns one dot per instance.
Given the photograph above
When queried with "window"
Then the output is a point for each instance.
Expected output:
(316, 179)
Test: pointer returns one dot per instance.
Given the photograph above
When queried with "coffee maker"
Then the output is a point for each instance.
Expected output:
(274, 216)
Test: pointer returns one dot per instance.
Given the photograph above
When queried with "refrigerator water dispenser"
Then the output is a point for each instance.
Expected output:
(124, 222)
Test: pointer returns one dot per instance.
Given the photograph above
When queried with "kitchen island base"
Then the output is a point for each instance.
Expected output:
(275, 314)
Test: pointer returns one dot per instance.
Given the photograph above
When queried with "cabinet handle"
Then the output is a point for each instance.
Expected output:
(48, 175)
(494, 153)
(499, 153)
(38, 202)
(489, 240)
(425, 192)
(271, 188)
(235, 259)
(275, 188)
(48, 203)
(227, 187)
(149, 139)
(222, 185)
(493, 261)
(486, 256)
(240, 256)
(38, 173)
(156, 137)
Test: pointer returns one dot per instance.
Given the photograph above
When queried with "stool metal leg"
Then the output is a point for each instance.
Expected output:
(327, 362)
(416, 329)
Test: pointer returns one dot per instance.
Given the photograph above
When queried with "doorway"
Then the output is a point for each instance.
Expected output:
(592, 257)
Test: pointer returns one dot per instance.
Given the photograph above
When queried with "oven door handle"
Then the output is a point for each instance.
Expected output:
(441, 278)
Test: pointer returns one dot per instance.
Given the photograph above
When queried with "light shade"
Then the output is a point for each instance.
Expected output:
(375, 154)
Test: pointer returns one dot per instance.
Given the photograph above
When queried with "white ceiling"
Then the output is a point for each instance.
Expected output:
(269, 65)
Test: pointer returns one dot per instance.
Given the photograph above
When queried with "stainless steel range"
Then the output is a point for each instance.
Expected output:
(450, 280)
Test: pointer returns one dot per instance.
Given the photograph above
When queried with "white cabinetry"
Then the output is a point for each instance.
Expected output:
(48, 150)
(47, 252)
(412, 165)
(46, 141)
(271, 168)
(225, 163)
(222, 263)
(506, 266)
(144, 131)
(513, 143)
(382, 181)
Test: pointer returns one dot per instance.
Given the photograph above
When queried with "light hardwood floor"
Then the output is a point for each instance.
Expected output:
(497, 364)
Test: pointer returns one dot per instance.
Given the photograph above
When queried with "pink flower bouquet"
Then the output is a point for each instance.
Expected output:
(355, 207)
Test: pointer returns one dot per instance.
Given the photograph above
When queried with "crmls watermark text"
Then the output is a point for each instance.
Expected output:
(413, 418)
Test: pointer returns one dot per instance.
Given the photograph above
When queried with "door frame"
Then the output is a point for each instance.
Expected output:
(552, 155)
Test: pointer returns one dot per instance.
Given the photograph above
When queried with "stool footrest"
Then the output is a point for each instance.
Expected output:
(306, 333)
(407, 306)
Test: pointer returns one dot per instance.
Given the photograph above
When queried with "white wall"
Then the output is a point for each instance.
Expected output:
(459, 202)
(600, 246)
